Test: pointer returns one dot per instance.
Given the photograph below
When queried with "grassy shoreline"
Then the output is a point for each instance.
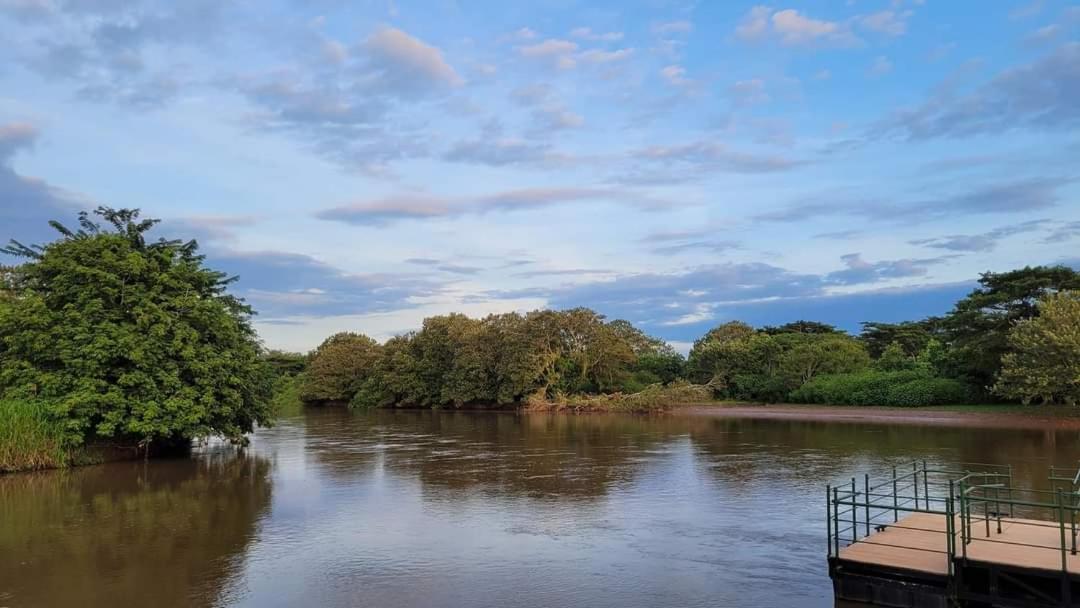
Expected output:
(30, 439)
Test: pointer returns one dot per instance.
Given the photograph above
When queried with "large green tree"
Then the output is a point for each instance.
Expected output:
(129, 339)
(1043, 362)
(979, 325)
(338, 367)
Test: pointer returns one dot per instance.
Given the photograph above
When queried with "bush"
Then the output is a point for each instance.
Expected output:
(131, 340)
(904, 388)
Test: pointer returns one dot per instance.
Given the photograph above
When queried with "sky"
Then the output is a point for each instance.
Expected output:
(363, 165)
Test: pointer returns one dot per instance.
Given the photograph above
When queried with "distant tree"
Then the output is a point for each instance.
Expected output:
(894, 359)
(803, 356)
(129, 339)
(979, 325)
(801, 327)
(720, 353)
(656, 361)
(912, 336)
(285, 363)
(338, 367)
(739, 363)
(1043, 364)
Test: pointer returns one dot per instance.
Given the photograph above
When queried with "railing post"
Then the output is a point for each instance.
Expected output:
(1011, 505)
(1061, 526)
(895, 510)
(950, 530)
(997, 508)
(915, 482)
(866, 488)
(963, 522)
(828, 517)
(1072, 524)
(854, 514)
(926, 487)
(836, 520)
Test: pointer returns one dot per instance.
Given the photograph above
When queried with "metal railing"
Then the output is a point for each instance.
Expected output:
(978, 502)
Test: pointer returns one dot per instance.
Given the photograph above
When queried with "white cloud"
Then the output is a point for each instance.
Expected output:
(890, 23)
(675, 74)
(585, 33)
(597, 56)
(559, 52)
(673, 27)
(404, 57)
(755, 24)
(549, 47)
(793, 28)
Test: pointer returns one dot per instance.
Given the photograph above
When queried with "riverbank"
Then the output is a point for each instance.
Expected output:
(973, 416)
(32, 440)
(653, 398)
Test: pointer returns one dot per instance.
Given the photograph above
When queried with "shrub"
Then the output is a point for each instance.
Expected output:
(904, 388)
(132, 340)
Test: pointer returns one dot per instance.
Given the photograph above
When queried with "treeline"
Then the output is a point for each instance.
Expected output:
(1014, 338)
(505, 359)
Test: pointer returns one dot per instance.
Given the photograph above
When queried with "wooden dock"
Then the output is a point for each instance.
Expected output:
(918, 542)
(940, 538)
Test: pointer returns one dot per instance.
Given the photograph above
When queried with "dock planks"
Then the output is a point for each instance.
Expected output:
(918, 542)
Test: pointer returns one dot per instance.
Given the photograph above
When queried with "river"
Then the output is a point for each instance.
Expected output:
(423, 508)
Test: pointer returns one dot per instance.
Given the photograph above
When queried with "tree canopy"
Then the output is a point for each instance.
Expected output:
(1043, 362)
(130, 339)
(741, 363)
(978, 326)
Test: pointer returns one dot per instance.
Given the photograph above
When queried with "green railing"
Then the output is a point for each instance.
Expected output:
(975, 500)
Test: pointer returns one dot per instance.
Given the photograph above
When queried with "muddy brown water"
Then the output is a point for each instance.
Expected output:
(455, 509)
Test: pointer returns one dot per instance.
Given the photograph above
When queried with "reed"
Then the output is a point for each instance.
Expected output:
(30, 438)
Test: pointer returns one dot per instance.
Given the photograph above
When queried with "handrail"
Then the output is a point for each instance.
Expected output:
(965, 494)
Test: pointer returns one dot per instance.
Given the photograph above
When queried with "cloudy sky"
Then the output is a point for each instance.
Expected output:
(362, 165)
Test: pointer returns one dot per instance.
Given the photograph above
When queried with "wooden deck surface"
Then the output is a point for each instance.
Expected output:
(918, 542)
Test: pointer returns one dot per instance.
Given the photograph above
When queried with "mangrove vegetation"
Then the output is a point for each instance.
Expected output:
(111, 340)
(993, 346)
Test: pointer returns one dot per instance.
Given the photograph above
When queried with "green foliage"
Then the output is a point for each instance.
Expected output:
(721, 353)
(896, 388)
(285, 399)
(912, 336)
(121, 338)
(338, 368)
(934, 358)
(978, 327)
(285, 363)
(1043, 364)
(30, 437)
(504, 359)
(801, 327)
(894, 359)
(739, 363)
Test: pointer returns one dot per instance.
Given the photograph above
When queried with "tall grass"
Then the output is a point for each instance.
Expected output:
(30, 438)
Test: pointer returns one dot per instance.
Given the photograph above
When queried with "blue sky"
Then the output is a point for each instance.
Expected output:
(362, 165)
